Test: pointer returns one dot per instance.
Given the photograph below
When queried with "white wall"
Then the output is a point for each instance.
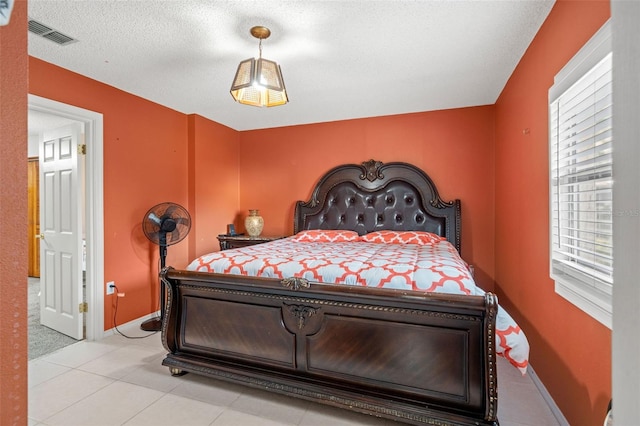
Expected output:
(32, 149)
(626, 205)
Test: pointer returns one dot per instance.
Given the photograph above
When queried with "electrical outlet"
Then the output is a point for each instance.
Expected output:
(111, 287)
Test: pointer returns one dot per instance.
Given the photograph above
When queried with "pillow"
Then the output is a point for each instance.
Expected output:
(326, 236)
(402, 237)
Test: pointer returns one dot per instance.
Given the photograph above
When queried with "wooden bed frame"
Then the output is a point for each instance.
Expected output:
(413, 357)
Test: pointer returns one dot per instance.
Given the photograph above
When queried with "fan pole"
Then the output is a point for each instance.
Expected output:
(163, 254)
(163, 259)
(155, 324)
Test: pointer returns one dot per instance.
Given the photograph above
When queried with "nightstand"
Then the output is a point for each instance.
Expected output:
(237, 241)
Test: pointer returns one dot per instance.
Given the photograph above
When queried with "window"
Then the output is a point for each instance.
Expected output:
(581, 183)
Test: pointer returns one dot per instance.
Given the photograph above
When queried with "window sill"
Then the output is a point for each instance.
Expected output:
(595, 303)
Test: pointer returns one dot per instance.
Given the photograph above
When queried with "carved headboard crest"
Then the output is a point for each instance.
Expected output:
(371, 170)
(376, 196)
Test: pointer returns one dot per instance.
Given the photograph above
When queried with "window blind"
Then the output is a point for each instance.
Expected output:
(581, 180)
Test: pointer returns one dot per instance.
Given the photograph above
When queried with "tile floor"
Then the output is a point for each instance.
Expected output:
(120, 381)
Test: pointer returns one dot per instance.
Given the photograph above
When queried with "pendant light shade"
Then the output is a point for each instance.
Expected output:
(259, 82)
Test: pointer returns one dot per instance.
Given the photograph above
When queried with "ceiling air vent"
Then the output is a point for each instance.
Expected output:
(49, 33)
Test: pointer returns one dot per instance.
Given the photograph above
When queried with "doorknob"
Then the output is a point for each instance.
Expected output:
(40, 236)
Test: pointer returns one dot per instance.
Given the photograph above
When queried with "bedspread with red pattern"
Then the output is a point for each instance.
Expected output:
(434, 267)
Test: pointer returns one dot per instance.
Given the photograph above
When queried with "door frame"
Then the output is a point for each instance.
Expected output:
(94, 202)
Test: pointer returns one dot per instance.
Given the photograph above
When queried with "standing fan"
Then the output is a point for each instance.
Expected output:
(164, 224)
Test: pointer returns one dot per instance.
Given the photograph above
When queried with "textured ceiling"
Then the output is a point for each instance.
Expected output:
(340, 59)
(41, 121)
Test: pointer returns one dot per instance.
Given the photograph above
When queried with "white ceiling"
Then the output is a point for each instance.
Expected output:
(340, 59)
(40, 121)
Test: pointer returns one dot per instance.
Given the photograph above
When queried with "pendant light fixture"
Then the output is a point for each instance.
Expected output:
(259, 82)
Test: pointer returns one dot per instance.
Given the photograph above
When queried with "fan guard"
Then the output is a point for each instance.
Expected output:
(166, 224)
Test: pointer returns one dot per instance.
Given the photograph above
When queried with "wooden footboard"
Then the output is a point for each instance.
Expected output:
(412, 357)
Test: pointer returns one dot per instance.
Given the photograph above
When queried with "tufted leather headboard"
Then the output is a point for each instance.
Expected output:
(376, 196)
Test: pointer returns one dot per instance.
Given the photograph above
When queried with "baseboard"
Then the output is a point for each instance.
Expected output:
(134, 324)
(547, 397)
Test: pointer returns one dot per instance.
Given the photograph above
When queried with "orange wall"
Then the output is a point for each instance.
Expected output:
(455, 147)
(213, 182)
(570, 351)
(147, 150)
(13, 205)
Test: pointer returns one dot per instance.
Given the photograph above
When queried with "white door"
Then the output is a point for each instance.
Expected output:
(61, 231)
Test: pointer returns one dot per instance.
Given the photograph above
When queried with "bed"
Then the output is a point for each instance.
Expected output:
(392, 350)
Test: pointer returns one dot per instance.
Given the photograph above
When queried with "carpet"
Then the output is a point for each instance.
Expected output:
(42, 340)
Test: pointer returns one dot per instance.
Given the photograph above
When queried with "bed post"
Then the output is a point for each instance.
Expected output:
(491, 373)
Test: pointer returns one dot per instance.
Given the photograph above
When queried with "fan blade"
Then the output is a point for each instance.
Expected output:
(183, 221)
(155, 219)
(154, 236)
(169, 211)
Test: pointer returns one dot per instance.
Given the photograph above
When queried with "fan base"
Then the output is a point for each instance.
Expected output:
(153, 324)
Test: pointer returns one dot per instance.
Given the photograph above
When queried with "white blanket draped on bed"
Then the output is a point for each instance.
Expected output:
(432, 267)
